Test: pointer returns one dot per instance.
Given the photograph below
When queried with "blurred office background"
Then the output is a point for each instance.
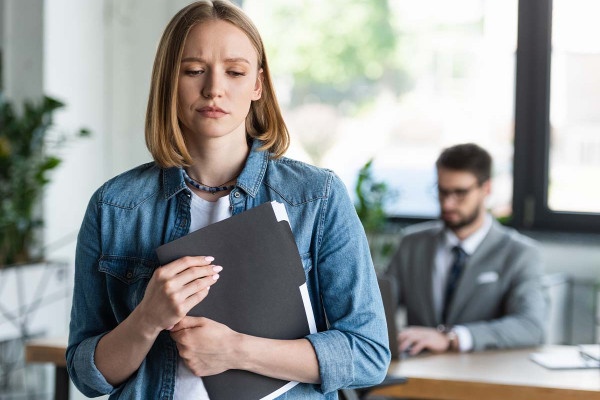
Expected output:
(395, 81)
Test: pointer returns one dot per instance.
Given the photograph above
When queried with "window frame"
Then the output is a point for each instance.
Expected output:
(532, 127)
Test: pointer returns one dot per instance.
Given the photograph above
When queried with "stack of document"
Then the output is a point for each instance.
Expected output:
(574, 359)
(590, 351)
(261, 291)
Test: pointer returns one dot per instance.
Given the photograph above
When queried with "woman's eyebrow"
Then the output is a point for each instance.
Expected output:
(192, 59)
(237, 59)
(227, 60)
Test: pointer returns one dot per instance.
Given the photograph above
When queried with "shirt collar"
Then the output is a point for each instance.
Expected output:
(249, 180)
(254, 171)
(470, 244)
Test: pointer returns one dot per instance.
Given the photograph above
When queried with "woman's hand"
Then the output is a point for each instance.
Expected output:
(206, 346)
(174, 289)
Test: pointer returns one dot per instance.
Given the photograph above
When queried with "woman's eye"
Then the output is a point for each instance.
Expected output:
(194, 72)
(236, 73)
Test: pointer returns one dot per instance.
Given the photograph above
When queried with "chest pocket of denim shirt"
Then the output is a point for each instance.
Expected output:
(127, 278)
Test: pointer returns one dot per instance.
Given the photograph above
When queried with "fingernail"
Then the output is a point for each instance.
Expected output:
(209, 259)
(207, 288)
(215, 277)
(217, 268)
(171, 327)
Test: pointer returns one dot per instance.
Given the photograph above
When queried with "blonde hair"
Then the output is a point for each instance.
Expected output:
(164, 138)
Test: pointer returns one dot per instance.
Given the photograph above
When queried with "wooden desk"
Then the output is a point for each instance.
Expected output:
(51, 351)
(488, 375)
(507, 374)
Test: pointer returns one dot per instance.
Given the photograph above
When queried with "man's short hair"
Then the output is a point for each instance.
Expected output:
(467, 157)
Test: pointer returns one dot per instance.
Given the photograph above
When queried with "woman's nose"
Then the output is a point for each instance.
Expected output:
(213, 86)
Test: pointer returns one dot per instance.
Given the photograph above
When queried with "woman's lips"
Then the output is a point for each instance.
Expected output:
(211, 112)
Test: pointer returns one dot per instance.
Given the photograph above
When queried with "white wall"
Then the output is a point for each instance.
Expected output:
(22, 47)
(74, 72)
(575, 254)
(133, 29)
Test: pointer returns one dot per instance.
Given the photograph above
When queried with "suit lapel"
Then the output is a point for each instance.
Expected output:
(473, 267)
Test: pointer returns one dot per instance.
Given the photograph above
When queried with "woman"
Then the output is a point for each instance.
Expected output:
(216, 134)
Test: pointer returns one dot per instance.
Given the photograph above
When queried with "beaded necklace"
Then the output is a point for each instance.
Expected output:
(205, 188)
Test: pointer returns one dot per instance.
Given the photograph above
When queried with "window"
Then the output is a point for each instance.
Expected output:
(399, 80)
(396, 81)
(557, 134)
(575, 107)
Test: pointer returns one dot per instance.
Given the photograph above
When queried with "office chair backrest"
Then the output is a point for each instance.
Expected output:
(390, 301)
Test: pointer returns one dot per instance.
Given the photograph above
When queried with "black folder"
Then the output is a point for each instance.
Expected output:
(259, 291)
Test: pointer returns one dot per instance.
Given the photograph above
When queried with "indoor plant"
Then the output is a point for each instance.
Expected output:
(371, 197)
(27, 154)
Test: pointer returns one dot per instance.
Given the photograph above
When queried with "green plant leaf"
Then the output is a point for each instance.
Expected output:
(84, 132)
(25, 158)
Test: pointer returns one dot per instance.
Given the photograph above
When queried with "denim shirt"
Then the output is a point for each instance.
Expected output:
(139, 210)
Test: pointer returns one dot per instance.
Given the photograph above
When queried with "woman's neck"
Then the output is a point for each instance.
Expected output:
(217, 161)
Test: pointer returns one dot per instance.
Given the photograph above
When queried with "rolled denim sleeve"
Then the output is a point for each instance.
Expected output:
(91, 317)
(354, 351)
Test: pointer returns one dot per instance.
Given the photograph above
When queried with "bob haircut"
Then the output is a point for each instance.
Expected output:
(164, 138)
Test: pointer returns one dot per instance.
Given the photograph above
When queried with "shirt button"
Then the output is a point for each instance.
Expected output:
(236, 194)
(129, 275)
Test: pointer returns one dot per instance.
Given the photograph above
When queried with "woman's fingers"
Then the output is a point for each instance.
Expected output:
(198, 285)
(173, 268)
(193, 273)
(190, 322)
(194, 299)
(177, 287)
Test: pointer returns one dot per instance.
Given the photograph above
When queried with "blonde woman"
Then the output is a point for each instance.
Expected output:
(215, 131)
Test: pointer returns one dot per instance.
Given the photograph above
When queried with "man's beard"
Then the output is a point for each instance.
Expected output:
(461, 223)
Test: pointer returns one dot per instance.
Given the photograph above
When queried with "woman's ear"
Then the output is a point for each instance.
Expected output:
(257, 92)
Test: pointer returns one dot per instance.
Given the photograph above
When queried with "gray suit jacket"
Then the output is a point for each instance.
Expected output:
(499, 296)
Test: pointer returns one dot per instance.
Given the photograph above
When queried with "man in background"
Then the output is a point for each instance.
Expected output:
(467, 282)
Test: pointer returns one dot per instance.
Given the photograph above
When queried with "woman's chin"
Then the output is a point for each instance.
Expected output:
(214, 134)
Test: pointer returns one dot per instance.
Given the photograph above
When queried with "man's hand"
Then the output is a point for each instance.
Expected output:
(417, 338)
(206, 346)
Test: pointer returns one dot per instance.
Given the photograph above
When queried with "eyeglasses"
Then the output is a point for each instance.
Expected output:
(458, 194)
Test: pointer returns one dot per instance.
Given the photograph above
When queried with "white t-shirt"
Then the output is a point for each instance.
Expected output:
(187, 385)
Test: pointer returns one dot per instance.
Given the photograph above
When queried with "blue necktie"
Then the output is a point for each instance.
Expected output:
(459, 262)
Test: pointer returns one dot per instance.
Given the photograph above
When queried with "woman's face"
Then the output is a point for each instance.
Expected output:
(218, 80)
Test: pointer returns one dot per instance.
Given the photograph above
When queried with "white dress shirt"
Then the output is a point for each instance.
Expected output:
(444, 258)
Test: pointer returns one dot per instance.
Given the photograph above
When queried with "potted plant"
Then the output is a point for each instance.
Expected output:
(26, 157)
(371, 197)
